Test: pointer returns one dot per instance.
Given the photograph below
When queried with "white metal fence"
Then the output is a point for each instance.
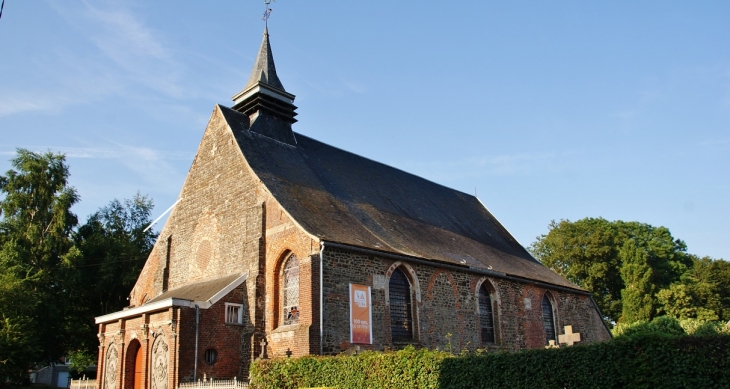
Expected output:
(83, 384)
(211, 383)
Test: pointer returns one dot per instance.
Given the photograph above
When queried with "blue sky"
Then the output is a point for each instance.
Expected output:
(549, 110)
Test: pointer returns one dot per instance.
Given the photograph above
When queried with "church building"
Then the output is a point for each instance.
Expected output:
(281, 245)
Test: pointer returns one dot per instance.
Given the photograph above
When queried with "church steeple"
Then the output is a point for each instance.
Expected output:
(269, 107)
(264, 69)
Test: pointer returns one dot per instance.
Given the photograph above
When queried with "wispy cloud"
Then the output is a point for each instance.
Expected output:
(715, 142)
(354, 86)
(122, 57)
(10, 106)
(155, 166)
(162, 169)
(120, 151)
(137, 49)
(140, 52)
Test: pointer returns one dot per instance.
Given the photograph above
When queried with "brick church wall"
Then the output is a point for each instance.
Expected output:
(445, 302)
(231, 342)
(216, 229)
(285, 238)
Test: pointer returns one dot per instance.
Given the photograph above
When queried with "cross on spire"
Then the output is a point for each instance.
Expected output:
(267, 13)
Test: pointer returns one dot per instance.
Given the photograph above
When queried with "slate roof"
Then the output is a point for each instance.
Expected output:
(264, 69)
(342, 197)
(200, 291)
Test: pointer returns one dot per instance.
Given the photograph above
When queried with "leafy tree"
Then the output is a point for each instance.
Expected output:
(54, 279)
(114, 248)
(637, 302)
(36, 255)
(689, 301)
(80, 360)
(700, 293)
(18, 351)
(588, 253)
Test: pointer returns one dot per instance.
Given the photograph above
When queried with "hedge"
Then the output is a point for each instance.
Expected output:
(643, 362)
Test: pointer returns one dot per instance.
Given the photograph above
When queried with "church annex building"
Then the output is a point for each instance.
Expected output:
(274, 232)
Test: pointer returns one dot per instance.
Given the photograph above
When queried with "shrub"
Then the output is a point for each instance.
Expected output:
(640, 361)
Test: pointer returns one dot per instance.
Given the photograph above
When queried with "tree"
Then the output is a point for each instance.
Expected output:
(637, 302)
(114, 248)
(53, 279)
(588, 253)
(719, 270)
(35, 256)
(701, 293)
(18, 351)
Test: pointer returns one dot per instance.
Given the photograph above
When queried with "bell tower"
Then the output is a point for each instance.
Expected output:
(268, 105)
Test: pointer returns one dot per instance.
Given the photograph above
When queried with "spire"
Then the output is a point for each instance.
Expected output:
(263, 69)
(270, 108)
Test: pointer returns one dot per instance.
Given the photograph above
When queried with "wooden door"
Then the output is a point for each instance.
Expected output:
(139, 369)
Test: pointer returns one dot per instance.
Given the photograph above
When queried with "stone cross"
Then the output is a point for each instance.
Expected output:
(551, 344)
(569, 337)
(263, 349)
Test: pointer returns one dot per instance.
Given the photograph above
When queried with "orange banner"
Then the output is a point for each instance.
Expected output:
(361, 329)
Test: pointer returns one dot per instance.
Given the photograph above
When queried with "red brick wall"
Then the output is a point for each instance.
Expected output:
(284, 238)
(142, 329)
(230, 341)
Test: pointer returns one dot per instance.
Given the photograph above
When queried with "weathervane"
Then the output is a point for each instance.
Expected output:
(267, 12)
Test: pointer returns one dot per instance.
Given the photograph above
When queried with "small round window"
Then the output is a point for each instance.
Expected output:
(211, 356)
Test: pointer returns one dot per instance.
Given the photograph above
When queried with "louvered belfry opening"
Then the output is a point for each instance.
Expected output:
(290, 291)
(401, 317)
(548, 319)
(486, 316)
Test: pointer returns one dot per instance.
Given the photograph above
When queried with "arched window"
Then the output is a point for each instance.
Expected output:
(548, 319)
(401, 316)
(290, 291)
(486, 316)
